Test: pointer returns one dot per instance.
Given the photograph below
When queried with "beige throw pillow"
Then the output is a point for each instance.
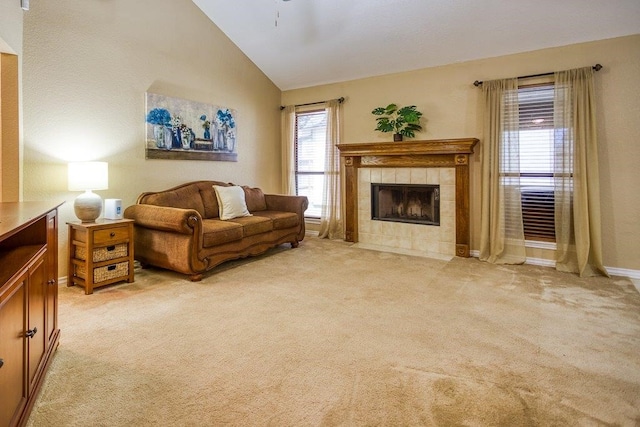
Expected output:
(231, 202)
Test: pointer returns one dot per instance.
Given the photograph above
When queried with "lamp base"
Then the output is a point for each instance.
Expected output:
(88, 206)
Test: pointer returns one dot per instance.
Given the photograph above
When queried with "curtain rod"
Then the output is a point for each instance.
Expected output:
(340, 100)
(596, 67)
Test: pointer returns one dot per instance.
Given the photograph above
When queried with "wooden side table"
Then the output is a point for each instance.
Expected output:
(100, 253)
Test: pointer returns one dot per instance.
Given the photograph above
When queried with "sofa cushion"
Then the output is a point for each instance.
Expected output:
(255, 199)
(281, 220)
(231, 202)
(184, 197)
(252, 225)
(216, 232)
(210, 202)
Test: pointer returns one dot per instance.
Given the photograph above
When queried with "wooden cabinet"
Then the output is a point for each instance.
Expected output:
(28, 304)
(13, 325)
(100, 253)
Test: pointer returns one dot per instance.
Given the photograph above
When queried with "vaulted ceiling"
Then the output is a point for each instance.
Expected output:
(302, 43)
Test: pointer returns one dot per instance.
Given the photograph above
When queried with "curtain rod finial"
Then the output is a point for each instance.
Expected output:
(597, 67)
(477, 83)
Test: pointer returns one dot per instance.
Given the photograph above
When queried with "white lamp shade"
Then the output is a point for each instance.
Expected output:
(88, 176)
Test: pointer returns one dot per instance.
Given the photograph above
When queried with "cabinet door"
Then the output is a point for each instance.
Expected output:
(36, 333)
(13, 377)
(52, 275)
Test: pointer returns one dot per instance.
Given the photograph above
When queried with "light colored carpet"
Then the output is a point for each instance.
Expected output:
(331, 335)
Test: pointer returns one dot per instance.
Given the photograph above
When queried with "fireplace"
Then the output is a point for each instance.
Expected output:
(409, 203)
(401, 159)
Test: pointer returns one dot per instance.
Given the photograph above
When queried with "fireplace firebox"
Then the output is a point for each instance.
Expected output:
(410, 203)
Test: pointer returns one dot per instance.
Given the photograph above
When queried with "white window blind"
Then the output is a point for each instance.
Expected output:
(536, 141)
(310, 146)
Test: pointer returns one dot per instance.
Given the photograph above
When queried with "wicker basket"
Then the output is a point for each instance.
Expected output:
(112, 271)
(104, 253)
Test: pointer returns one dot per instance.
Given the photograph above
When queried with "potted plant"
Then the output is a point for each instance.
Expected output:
(403, 121)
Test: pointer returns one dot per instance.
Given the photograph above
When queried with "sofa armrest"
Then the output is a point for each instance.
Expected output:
(285, 203)
(183, 221)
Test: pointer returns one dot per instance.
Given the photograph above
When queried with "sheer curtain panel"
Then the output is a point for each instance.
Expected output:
(288, 142)
(576, 177)
(501, 230)
(331, 225)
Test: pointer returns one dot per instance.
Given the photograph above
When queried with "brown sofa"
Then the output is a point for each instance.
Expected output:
(179, 229)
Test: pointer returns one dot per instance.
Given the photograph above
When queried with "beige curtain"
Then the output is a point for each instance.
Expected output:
(578, 234)
(331, 215)
(288, 126)
(501, 232)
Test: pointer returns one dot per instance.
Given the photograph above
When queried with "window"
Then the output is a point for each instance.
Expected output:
(536, 148)
(310, 147)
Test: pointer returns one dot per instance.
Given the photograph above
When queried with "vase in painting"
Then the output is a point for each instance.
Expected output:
(186, 140)
(168, 138)
(158, 135)
(231, 143)
(220, 141)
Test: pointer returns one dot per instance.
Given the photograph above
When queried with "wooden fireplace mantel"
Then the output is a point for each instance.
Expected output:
(446, 153)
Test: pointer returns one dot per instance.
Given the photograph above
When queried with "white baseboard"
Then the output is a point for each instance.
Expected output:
(615, 271)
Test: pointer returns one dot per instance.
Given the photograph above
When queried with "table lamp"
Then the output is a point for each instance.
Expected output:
(88, 176)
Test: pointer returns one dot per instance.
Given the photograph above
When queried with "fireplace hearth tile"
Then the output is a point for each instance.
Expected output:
(447, 209)
(447, 248)
(433, 176)
(388, 176)
(403, 231)
(418, 176)
(364, 192)
(388, 228)
(403, 176)
(447, 176)
(364, 175)
(376, 174)
(365, 226)
(447, 193)
(447, 230)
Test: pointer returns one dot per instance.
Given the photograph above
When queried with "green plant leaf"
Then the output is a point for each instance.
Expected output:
(384, 125)
(391, 108)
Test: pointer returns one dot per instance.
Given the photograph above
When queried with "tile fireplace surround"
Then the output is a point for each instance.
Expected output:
(443, 162)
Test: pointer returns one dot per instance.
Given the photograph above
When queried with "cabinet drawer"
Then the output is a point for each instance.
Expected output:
(101, 274)
(108, 235)
(104, 253)
(109, 272)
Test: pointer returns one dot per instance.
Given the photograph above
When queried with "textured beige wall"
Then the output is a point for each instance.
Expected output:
(11, 27)
(452, 109)
(87, 66)
(10, 143)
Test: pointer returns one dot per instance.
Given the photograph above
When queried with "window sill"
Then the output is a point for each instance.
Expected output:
(540, 245)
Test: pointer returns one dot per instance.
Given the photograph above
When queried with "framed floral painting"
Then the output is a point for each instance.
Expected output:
(180, 129)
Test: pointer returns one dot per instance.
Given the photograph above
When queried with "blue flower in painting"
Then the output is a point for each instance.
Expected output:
(225, 119)
(159, 116)
(206, 125)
